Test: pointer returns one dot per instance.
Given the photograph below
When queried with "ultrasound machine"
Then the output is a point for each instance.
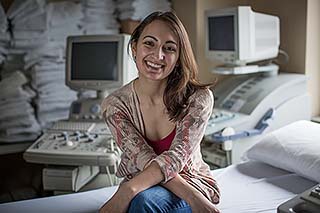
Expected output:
(253, 98)
(81, 148)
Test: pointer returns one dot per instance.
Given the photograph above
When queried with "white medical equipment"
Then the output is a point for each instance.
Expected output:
(238, 36)
(76, 147)
(252, 105)
(75, 153)
(68, 178)
(255, 99)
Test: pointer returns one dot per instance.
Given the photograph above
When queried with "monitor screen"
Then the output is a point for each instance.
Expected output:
(221, 33)
(94, 61)
(99, 62)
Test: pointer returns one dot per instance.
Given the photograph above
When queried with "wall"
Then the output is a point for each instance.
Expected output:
(292, 14)
(187, 14)
(312, 64)
(299, 36)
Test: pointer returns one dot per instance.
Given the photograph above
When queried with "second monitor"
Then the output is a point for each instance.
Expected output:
(99, 62)
(238, 36)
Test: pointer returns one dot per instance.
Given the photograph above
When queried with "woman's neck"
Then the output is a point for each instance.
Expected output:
(150, 91)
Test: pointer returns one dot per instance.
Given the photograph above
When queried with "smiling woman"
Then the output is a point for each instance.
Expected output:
(158, 121)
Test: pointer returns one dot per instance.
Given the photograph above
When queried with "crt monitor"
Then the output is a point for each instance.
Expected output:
(237, 36)
(98, 62)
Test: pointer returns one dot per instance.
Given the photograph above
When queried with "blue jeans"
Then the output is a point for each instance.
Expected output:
(158, 199)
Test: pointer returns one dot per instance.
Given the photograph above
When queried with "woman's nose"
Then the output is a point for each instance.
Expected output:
(159, 54)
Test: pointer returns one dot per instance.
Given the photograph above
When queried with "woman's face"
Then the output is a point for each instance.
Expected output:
(156, 51)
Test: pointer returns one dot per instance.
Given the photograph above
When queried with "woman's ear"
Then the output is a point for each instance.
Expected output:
(134, 49)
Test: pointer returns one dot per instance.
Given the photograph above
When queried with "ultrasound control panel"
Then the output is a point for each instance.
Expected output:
(75, 143)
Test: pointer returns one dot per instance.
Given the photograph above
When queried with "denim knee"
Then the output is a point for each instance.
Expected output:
(158, 199)
(142, 203)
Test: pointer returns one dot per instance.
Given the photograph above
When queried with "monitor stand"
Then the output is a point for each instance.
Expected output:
(88, 109)
(270, 69)
(102, 94)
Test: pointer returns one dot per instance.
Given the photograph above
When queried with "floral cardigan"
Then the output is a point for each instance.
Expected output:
(121, 111)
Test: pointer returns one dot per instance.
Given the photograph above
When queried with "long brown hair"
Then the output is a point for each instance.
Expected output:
(183, 80)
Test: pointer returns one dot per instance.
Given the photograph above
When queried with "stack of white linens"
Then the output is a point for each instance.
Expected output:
(4, 35)
(99, 17)
(139, 9)
(43, 43)
(17, 120)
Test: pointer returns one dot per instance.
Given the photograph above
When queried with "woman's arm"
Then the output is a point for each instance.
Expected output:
(189, 134)
(137, 153)
(151, 176)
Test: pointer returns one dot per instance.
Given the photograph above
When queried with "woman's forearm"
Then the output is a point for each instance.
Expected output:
(182, 189)
(152, 175)
(149, 177)
(197, 201)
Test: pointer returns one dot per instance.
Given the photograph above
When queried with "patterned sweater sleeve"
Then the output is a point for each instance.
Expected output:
(189, 133)
(127, 137)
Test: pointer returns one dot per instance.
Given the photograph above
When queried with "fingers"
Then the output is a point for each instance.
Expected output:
(216, 210)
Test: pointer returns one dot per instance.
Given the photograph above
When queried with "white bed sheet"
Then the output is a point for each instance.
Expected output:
(247, 187)
(257, 187)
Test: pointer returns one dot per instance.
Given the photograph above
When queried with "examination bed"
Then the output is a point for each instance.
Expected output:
(272, 174)
(246, 187)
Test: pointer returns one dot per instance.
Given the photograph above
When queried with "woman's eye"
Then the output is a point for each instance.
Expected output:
(148, 43)
(170, 49)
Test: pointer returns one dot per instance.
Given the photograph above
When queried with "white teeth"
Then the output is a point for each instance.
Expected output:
(153, 65)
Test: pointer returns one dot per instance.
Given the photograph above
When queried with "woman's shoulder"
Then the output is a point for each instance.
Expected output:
(204, 96)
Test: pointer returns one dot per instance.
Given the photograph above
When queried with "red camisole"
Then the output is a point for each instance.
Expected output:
(163, 144)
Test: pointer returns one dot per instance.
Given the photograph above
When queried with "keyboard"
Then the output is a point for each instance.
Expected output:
(73, 126)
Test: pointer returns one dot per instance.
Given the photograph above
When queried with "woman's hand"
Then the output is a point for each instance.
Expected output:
(120, 201)
(199, 203)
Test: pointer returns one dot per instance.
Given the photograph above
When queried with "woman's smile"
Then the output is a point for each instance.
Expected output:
(154, 67)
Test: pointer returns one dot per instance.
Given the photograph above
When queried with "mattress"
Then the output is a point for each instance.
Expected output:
(246, 187)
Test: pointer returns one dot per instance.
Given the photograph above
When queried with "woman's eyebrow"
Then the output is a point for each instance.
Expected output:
(149, 36)
(171, 42)
(154, 38)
